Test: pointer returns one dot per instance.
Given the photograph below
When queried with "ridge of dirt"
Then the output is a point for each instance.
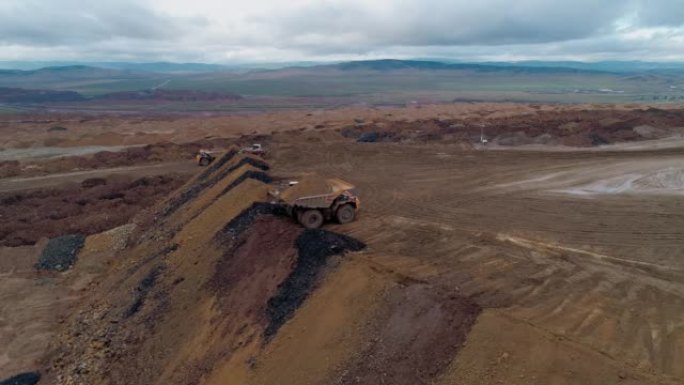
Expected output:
(249, 174)
(211, 289)
(202, 182)
(583, 128)
(314, 247)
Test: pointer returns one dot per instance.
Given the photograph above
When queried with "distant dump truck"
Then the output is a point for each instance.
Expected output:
(314, 201)
(254, 149)
(204, 158)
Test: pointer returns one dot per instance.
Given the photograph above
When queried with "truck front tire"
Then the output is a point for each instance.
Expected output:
(311, 219)
(345, 214)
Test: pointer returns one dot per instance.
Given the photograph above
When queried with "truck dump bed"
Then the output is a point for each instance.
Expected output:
(315, 192)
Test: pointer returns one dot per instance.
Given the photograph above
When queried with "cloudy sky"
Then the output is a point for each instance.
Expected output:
(229, 31)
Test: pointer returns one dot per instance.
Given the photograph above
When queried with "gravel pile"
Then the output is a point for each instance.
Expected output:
(60, 253)
(22, 379)
(314, 247)
(368, 137)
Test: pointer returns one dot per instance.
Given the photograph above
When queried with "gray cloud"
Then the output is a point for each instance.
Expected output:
(439, 22)
(36, 22)
(271, 30)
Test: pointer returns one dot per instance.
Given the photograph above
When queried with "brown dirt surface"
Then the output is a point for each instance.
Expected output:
(34, 304)
(156, 153)
(516, 266)
(488, 226)
(416, 334)
(27, 216)
(247, 277)
(584, 128)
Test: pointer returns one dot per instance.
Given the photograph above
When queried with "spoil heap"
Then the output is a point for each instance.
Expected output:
(218, 287)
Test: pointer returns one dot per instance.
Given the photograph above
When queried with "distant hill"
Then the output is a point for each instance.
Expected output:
(158, 67)
(371, 81)
(386, 65)
(21, 96)
(607, 66)
(169, 95)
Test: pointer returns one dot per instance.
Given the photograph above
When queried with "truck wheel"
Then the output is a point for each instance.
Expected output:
(204, 162)
(311, 219)
(345, 213)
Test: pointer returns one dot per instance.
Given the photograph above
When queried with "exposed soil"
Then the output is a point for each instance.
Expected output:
(415, 336)
(314, 247)
(87, 209)
(248, 276)
(582, 128)
(134, 156)
(482, 267)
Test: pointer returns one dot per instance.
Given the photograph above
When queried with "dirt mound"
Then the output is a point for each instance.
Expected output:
(231, 283)
(582, 128)
(60, 253)
(314, 247)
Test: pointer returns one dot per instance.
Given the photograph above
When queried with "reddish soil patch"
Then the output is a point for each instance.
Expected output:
(582, 128)
(89, 208)
(248, 276)
(416, 336)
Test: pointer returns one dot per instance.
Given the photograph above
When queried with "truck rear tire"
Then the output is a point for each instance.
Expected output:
(311, 219)
(203, 162)
(345, 214)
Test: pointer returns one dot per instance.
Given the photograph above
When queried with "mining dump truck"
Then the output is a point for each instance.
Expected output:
(204, 158)
(254, 149)
(314, 201)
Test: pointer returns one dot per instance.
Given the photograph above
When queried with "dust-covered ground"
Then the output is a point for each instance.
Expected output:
(551, 255)
(575, 257)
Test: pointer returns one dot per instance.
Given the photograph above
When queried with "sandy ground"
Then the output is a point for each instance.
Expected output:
(573, 256)
(33, 304)
(599, 277)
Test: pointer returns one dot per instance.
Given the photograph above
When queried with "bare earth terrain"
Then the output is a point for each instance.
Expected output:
(541, 246)
(546, 257)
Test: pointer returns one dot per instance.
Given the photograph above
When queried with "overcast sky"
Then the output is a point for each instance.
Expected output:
(227, 31)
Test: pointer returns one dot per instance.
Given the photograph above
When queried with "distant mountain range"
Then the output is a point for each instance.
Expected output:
(383, 64)
(159, 67)
(373, 81)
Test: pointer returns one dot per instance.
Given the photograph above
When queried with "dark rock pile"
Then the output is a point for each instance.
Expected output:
(60, 253)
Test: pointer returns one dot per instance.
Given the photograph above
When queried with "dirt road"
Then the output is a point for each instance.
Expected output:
(53, 180)
(596, 276)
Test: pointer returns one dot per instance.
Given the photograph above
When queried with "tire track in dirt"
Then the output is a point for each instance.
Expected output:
(602, 273)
